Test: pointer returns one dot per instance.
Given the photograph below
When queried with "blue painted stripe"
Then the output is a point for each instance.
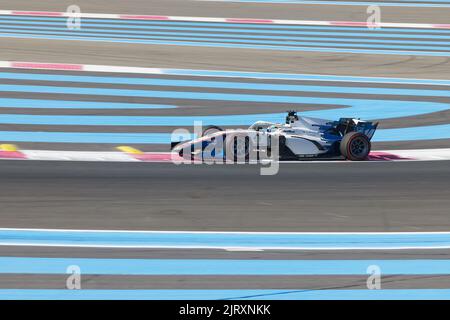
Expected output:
(66, 104)
(150, 24)
(413, 133)
(402, 134)
(224, 120)
(298, 77)
(220, 267)
(327, 42)
(223, 294)
(302, 77)
(225, 240)
(269, 294)
(367, 109)
(328, 37)
(227, 27)
(219, 85)
(351, 39)
(232, 45)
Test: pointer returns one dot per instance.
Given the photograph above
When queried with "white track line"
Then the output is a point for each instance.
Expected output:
(223, 20)
(47, 155)
(230, 232)
(338, 247)
(22, 244)
(215, 73)
(95, 156)
(407, 155)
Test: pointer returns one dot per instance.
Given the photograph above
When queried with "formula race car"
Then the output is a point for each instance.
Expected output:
(298, 138)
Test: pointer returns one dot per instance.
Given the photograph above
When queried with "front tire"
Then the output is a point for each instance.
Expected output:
(355, 146)
(211, 129)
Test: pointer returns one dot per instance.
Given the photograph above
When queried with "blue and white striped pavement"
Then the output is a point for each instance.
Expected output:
(229, 267)
(225, 240)
(63, 107)
(339, 39)
(220, 267)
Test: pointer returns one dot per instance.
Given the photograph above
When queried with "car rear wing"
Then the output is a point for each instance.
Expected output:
(346, 125)
(368, 128)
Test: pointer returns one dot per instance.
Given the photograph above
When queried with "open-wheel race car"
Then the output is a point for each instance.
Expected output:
(298, 138)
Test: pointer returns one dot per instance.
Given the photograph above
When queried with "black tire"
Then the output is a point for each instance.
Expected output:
(355, 146)
(211, 129)
(237, 150)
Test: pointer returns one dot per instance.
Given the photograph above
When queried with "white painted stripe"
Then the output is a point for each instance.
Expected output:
(230, 232)
(118, 69)
(243, 249)
(189, 72)
(51, 155)
(47, 155)
(21, 244)
(359, 243)
(225, 20)
(93, 15)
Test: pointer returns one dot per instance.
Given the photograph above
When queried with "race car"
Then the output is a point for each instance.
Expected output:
(298, 138)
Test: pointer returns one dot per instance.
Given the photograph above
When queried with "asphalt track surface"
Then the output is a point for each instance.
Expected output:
(140, 282)
(237, 10)
(375, 196)
(301, 197)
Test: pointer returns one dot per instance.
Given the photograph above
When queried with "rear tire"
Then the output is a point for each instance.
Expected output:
(355, 146)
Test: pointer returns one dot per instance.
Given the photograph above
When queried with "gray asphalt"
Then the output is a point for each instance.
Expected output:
(39, 281)
(142, 55)
(375, 196)
(236, 10)
(144, 253)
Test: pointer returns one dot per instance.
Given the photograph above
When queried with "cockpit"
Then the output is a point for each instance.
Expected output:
(291, 117)
(263, 125)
